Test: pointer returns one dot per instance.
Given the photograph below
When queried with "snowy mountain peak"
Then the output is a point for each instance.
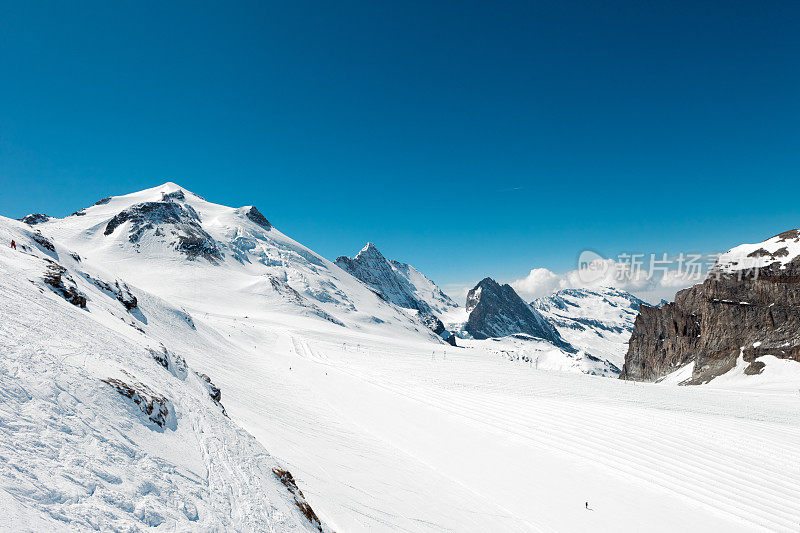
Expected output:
(474, 296)
(170, 186)
(399, 283)
(370, 250)
(173, 241)
(497, 311)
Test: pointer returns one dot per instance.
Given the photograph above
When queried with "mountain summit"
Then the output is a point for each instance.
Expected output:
(497, 311)
(171, 241)
(399, 283)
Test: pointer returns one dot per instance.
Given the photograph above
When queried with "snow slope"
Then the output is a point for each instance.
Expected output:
(424, 289)
(79, 455)
(780, 249)
(597, 321)
(383, 427)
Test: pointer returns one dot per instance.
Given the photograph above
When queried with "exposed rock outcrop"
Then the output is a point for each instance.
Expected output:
(497, 311)
(748, 306)
(156, 407)
(45, 243)
(450, 339)
(181, 221)
(34, 218)
(61, 283)
(286, 478)
(118, 290)
(256, 216)
(172, 363)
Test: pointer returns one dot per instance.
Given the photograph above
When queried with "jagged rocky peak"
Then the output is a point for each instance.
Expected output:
(368, 258)
(371, 267)
(34, 218)
(398, 283)
(748, 307)
(497, 311)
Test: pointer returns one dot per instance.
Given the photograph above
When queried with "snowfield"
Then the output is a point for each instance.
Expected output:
(383, 426)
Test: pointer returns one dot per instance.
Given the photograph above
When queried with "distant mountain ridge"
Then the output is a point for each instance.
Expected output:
(597, 321)
(236, 254)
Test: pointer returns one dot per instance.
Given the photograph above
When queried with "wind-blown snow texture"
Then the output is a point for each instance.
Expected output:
(382, 426)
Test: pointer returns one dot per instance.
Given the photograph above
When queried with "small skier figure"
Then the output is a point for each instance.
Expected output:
(13, 244)
(587, 505)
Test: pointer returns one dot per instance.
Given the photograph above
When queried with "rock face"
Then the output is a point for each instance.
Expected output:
(497, 311)
(156, 407)
(256, 216)
(34, 218)
(61, 283)
(399, 283)
(748, 306)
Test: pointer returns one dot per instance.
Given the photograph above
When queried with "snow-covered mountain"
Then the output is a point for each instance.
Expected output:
(235, 256)
(597, 321)
(105, 421)
(424, 289)
(497, 311)
(401, 284)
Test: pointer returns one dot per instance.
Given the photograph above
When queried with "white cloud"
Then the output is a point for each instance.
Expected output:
(595, 271)
(539, 282)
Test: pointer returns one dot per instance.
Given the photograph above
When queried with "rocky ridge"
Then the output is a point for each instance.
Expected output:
(748, 307)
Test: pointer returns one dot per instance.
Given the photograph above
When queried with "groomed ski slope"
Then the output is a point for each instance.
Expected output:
(387, 435)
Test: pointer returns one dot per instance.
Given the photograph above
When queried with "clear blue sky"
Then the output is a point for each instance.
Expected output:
(467, 138)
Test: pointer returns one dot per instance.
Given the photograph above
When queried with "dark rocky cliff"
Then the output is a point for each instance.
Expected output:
(733, 312)
(497, 311)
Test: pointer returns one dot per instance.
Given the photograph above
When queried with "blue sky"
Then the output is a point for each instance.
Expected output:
(466, 138)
